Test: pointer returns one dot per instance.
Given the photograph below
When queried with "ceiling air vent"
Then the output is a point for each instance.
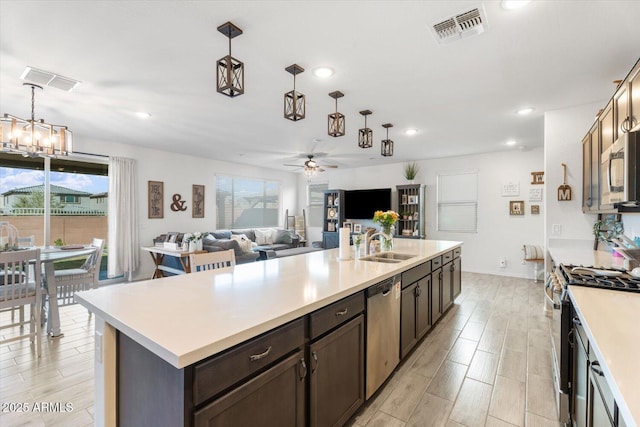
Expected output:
(47, 78)
(461, 25)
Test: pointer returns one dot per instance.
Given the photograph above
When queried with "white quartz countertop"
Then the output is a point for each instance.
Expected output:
(186, 318)
(611, 321)
(585, 256)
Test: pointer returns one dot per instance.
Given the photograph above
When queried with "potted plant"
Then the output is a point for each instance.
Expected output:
(410, 171)
(607, 229)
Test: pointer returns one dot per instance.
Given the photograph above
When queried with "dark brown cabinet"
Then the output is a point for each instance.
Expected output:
(634, 98)
(275, 398)
(456, 272)
(333, 217)
(446, 284)
(411, 210)
(590, 169)
(336, 375)
(415, 318)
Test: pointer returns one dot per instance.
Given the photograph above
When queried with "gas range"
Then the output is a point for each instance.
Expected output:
(604, 278)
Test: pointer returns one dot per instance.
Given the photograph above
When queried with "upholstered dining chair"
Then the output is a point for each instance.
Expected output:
(71, 280)
(219, 261)
(20, 285)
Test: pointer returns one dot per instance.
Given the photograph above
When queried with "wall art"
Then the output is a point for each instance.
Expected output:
(197, 201)
(155, 199)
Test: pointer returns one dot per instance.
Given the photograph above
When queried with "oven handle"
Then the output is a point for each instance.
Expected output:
(609, 171)
(548, 292)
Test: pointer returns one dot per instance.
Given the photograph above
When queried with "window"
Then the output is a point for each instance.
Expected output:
(316, 203)
(458, 202)
(246, 202)
(67, 198)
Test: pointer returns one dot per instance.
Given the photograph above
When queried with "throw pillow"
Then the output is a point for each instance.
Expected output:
(264, 236)
(243, 241)
(227, 244)
(283, 236)
(221, 234)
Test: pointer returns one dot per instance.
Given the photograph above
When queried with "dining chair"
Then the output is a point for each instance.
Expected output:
(20, 286)
(23, 243)
(220, 261)
(71, 280)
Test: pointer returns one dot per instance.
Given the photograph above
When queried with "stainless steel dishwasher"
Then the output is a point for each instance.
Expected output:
(383, 332)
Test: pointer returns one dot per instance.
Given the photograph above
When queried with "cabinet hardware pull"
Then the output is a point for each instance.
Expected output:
(260, 356)
(453, 267)
(342, 312)
(315, 359)
(571, 338)
(302, 369)
(595, 367)
(418, 290)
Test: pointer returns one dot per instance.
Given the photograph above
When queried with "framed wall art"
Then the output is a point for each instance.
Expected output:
(535, 209)
(155, 199)
(413, 200)
(197, 203)
(516, 207)
(348, 225)
(357, 228)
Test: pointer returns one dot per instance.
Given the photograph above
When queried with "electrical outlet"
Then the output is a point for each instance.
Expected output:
(502, 262)
(556, 229)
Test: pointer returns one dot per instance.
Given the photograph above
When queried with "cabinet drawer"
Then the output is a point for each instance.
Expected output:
(216, 374)
(601, 381)
(457, 252)
(436, 263)
(335, 314)
(416, 273)
(447, 257)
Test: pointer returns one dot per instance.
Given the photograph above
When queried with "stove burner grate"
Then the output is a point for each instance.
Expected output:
(624, 282)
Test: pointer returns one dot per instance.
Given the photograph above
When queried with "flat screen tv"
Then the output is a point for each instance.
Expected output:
(361, 204)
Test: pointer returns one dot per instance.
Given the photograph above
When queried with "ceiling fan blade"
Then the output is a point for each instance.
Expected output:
(330, 166)
(295, 166)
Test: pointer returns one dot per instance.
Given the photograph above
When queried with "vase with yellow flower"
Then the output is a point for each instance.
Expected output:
(387, 221)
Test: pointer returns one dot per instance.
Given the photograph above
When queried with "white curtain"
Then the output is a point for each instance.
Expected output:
(123, 218)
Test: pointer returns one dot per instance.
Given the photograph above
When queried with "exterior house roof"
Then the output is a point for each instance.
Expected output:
(99, 195)
(55, 189)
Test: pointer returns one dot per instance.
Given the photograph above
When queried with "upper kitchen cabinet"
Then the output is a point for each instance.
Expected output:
(607, 127)
(621, 109)
(590, 172)
(634, 97)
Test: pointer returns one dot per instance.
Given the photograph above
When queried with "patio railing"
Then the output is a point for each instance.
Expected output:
(54, 212)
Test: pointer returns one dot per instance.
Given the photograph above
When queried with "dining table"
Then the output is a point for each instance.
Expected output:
(48, 256)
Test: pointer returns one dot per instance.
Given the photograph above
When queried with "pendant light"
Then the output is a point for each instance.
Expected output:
(386, 148)
(230, 71)
(336, 120)
(294, 104)
(33, 138)
(365, 135)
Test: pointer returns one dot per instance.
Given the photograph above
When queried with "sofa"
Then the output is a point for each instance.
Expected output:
(246, 243)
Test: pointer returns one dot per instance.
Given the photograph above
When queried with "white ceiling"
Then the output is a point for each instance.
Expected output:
(159, 57)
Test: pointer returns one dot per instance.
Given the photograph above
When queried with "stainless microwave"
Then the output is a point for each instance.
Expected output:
(620, 172)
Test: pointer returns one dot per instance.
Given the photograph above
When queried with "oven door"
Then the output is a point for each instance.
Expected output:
(561, 351)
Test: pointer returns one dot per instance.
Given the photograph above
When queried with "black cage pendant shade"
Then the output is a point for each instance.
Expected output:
(294, 102)
(230, 71)
(386, 148)
(365, 135)
(336, 121)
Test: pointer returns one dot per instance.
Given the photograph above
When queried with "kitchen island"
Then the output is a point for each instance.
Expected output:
(185, 319)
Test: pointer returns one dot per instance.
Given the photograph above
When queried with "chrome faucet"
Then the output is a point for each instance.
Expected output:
(370, 237)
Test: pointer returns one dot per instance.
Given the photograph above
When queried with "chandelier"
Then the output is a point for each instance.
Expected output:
(365, 135)
(336, 120)
(386, 147)
(33, 138)
(294, 101)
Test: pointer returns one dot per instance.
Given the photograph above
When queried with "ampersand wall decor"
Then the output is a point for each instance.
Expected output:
(178, 204)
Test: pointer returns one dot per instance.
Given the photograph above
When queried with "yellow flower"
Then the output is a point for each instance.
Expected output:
(387, 218)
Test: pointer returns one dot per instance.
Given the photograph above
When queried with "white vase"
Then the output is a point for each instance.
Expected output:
(199, 245)
(192, 246)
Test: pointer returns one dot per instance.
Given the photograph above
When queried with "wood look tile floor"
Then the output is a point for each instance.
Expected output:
(486, 363)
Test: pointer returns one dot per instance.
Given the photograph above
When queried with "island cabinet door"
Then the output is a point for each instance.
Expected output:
(457, 277)
(423, 305)
(446, 285)
(336, 375)
(274, 398)
(408, 335)
(436, 300)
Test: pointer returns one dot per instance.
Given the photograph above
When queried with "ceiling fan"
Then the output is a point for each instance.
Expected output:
(311, 166)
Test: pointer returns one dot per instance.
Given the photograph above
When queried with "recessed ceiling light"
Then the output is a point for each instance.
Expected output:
(411, 132)
(323, 72)
(510, 143)
(514, 4)
(143, 115)
(524, 111)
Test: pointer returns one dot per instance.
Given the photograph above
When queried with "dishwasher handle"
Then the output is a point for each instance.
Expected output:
(385, 287)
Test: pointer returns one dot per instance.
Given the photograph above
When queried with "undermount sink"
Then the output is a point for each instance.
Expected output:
(388, 257)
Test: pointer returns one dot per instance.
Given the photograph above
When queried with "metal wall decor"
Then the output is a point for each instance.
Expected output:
(294, 102)
(33, 137)
(365, 135)
(336, 121)
(386, 148)
(230, 71)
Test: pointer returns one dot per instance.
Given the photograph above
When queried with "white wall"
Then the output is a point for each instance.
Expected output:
(500, 235)
(563, 133)
(179, 172)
